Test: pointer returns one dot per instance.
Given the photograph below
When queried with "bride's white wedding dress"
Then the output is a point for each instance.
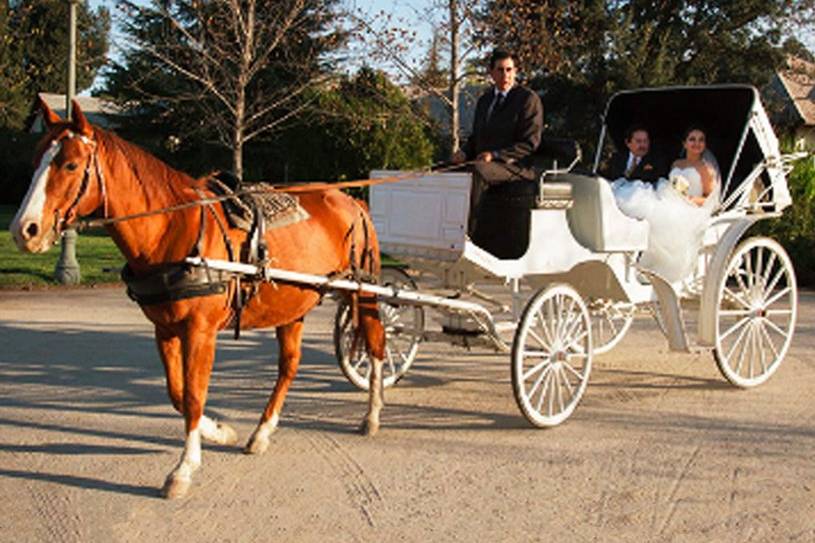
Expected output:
(676, 226)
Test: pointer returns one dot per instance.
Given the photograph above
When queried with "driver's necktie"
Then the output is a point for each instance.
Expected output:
(495, 106)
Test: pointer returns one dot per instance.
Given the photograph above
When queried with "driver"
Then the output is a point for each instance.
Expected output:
(506, 130)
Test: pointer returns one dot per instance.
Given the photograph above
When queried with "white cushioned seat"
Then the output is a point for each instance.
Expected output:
(595, 220)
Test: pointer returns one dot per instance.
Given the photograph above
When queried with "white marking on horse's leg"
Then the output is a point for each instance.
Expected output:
(217, 432)
(180, 479)
(376, 400)
(31, 209)
(259, 441)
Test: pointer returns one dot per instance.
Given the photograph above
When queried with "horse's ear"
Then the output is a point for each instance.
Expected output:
(81, 124)
(48, 116)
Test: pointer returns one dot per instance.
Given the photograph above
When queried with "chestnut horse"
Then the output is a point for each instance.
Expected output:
(82, 169)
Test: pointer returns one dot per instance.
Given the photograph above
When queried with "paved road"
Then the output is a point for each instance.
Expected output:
(660, 449)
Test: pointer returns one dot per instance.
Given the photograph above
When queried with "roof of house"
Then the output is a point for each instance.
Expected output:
(99, 111)
(798, 80)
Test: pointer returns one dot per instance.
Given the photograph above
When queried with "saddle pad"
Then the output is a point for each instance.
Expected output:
(278, 208)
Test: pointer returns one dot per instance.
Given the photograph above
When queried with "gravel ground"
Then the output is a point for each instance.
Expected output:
(660, 449)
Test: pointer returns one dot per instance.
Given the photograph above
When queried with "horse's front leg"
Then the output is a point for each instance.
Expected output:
(198, 352)
(289, 339)
(169, 349)
(374, 333)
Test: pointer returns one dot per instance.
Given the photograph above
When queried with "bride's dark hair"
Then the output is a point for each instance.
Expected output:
(691, 127)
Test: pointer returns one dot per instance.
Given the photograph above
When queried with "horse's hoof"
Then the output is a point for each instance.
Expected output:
(228, 434)
(175, 487)
(368, 428)
(256, 445)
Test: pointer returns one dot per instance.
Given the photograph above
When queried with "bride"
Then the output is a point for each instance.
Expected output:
(677, 209)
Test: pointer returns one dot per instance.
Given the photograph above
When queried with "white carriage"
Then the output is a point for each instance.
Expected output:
(577, 284)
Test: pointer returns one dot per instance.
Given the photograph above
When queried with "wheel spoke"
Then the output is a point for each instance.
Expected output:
(744, 346)
(543, 391)
(361, 360)
(760, 342)
(735, 327)
(538, 382)
(754, 349)
(735, 296)
(737, 342)
(566, 381)
(569, 318)
(576, 373)
(776, 279)
(559, 392)
(553, 384)
(737, 274)
(768, 270)
(778, 312)
(389, 356)
(776, 329)
(576, 339)
(748, 264)
(575, 322)
(540, 319)
(777, 296)
(536, 368)
(759, 261)
(768, 339)
(734, 312)
(537, 354)
(539, 339)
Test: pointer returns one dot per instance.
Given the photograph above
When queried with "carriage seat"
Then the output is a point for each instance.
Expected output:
(504, 215)
(595, 220)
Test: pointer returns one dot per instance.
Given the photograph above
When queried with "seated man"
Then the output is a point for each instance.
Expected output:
(506, 130)
(638, 161)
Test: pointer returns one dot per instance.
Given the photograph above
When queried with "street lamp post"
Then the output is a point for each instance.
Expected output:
(67, 268)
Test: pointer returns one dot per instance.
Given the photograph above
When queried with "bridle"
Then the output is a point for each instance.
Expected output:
(93, 164)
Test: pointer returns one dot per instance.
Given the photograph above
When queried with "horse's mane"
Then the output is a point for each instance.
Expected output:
(147, 169)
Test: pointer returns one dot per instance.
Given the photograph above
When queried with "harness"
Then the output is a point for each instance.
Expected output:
(175, 281)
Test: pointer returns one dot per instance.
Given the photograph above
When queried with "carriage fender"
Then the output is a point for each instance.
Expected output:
(714, 274)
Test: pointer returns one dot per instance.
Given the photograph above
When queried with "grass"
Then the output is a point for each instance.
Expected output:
(99, 259)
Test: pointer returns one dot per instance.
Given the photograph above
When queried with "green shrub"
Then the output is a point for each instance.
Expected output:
(795, 229)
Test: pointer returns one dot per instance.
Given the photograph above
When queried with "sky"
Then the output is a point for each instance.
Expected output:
(411, 13)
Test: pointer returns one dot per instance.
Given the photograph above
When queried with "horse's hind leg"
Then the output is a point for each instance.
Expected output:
(289, 339)
(198, 352)
(374, 333)
(169, 348)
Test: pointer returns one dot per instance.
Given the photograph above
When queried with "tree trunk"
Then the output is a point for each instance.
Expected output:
(454, 81)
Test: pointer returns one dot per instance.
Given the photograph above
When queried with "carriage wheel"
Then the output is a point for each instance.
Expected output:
(551, 355)
(404, 327)
(609, 323)
(755, 313)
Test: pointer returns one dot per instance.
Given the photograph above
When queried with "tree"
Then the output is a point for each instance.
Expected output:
(229, 70)
(34, 50)
(582, 51)
(390, 41)
(364, 123)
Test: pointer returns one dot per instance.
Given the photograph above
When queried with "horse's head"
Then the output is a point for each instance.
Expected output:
(61, 190)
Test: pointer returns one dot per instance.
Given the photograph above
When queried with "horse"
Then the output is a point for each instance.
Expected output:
(82, 170)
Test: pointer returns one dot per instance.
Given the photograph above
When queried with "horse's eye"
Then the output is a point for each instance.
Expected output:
(71, 166)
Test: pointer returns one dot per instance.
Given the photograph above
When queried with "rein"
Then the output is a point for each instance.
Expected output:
(83, 224)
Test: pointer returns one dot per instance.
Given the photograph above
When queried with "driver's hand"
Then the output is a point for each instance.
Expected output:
(458, 157)
(486, 156)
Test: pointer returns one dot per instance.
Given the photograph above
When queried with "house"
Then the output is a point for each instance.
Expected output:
(100, 112)
(793, 91)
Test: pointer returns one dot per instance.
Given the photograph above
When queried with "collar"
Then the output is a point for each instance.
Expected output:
(497, 92)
